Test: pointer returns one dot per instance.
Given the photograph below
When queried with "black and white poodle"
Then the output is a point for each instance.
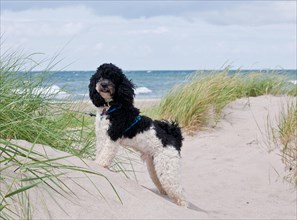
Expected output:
(119, 123)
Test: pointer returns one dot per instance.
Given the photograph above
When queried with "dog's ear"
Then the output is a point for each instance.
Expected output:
(94, 95)
(125, 92)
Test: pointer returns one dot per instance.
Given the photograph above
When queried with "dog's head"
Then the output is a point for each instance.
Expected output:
(110, 84)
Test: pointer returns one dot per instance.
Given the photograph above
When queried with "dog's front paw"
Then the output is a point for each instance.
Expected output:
(102, 163)
(182, 203)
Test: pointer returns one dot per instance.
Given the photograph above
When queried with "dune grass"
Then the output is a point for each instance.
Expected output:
(286, 133)
(203, 98)
(30, 113)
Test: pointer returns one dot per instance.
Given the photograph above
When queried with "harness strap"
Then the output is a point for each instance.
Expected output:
(110, 110)
(90, 114)
(137, 119)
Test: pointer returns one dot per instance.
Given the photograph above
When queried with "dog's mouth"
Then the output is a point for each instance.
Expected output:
(104, 90)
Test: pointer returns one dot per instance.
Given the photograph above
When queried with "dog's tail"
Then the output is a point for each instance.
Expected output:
(169, 133)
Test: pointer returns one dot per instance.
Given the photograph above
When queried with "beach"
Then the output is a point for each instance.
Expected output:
(204, 92)
(230, 171)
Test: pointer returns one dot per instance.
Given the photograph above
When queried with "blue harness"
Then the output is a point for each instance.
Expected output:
(110, 110)
(136, 120)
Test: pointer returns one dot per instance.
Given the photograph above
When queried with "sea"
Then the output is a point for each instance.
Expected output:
(149, 84)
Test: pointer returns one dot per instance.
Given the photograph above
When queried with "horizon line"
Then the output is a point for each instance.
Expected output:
(150, 70)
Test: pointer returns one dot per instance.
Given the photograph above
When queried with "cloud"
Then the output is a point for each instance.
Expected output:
(125, 9)
(45, 22)
(256, 13)
(190, 39)
(154, 30)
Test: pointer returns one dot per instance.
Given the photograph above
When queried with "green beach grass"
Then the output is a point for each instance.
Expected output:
(286, 135)
(205, 96)
(31, 114)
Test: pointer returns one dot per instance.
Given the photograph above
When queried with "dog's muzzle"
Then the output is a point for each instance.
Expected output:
(105, 88)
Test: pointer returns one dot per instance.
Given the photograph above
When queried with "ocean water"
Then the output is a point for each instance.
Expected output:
(149, 84)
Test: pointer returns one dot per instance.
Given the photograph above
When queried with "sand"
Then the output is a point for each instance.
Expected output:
(231, 171)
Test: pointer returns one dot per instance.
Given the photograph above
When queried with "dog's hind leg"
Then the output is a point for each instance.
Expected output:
(167, 166)
(153, 174)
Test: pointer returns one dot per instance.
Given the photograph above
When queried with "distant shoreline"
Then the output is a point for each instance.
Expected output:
(148, 84)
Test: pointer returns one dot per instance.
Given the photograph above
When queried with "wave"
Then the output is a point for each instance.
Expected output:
(293, 81)
(53, 90)
(142, 90)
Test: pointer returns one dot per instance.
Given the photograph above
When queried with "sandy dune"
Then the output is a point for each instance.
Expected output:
(227, 172)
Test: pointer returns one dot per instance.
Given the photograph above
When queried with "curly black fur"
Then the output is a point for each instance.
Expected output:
(125, 113)
(169, 133)
(124, 87)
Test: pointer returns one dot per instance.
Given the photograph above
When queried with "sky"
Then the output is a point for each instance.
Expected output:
(153, 35)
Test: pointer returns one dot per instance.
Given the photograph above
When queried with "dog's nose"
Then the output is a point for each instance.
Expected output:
(104, 84)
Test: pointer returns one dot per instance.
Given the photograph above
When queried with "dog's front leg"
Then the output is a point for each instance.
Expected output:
(106, 149)
(106, 153)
